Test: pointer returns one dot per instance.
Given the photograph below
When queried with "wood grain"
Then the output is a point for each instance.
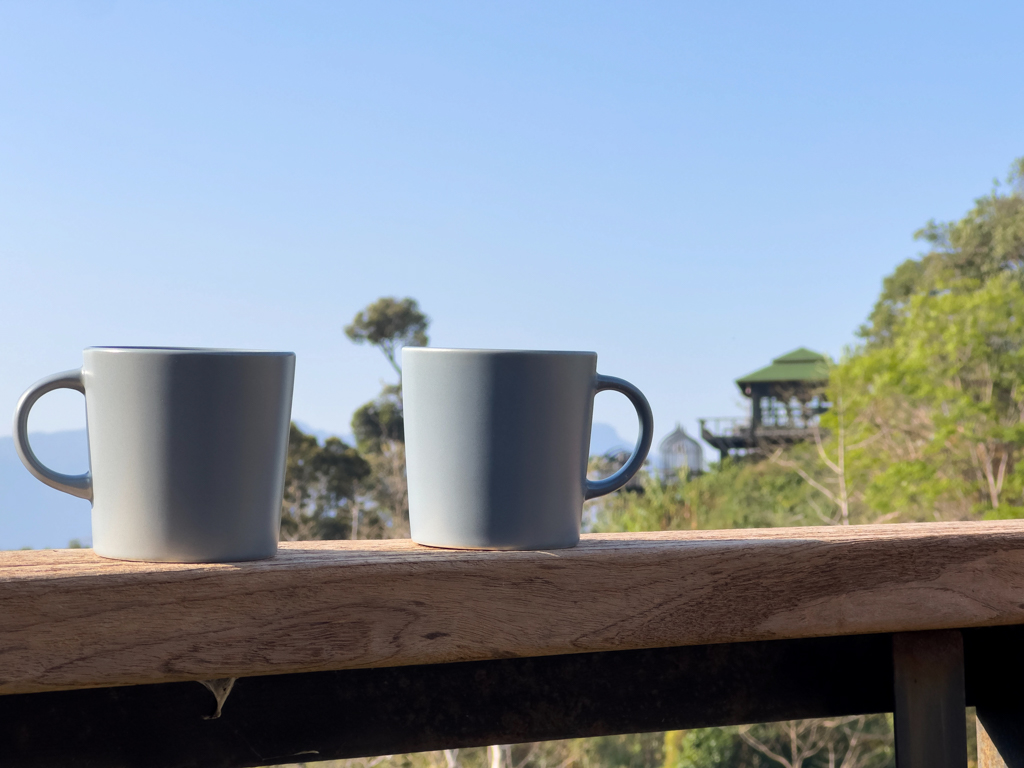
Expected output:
(69, 619)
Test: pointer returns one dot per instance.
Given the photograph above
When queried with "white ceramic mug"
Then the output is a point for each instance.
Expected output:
(187, 450)
(497, 443)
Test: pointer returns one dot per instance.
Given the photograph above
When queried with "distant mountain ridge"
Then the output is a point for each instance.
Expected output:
(37, 516)
(603, 437)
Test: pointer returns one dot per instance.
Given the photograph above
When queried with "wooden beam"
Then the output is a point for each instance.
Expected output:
(69, 619)
(357, 713)
(929, 718)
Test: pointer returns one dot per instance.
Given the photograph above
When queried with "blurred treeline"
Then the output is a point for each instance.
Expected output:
(925, 423)
(337, 491)
(816, 743)
(926, 412)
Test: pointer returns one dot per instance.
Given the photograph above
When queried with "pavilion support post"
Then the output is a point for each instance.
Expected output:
(755, 409)
(930, 707)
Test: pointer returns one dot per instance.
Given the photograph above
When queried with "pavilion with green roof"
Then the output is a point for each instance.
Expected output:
(786, 399)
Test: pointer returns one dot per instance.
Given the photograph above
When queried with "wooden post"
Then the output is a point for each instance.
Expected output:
(930, 717)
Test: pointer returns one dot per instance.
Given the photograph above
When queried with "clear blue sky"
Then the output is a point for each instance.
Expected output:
(687, 188)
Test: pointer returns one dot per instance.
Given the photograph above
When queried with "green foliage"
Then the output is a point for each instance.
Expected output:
(379, 425)
(709, 748)
(379, 421)
(988, 241)
(897, 289)
(935, 396)
(865, 741)
(1004, 512)
(390, 324)
(386, 493)
(655, 506)
(749, 494)
(862, 741)
(738, 494)
(943, 402)
(75, 544)
(320, 487)
(642, 750)
(626, 751)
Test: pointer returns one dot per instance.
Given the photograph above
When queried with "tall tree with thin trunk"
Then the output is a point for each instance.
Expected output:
(379, 425)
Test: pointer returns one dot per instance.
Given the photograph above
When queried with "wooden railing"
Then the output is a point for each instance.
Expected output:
(355, 648)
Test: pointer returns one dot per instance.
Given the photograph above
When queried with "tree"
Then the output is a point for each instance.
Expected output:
(640, 750)
(735, 494)
(945, 398)
(320, 488)
(936, 392)
(380, 421)
(390, 324)
(842, 437)
(987, 241)
(379, 425)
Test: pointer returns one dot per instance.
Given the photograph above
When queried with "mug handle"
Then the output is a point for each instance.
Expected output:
(597, 488)
(76, 485)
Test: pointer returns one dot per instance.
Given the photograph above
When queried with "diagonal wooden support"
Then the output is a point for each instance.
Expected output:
(930, 703)
(995, 681)
(988, 752)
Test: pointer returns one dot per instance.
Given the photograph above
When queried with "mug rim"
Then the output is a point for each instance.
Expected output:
(185, 351)
(419, 350)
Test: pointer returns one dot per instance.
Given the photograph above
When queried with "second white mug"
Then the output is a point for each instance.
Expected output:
(497, 443)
